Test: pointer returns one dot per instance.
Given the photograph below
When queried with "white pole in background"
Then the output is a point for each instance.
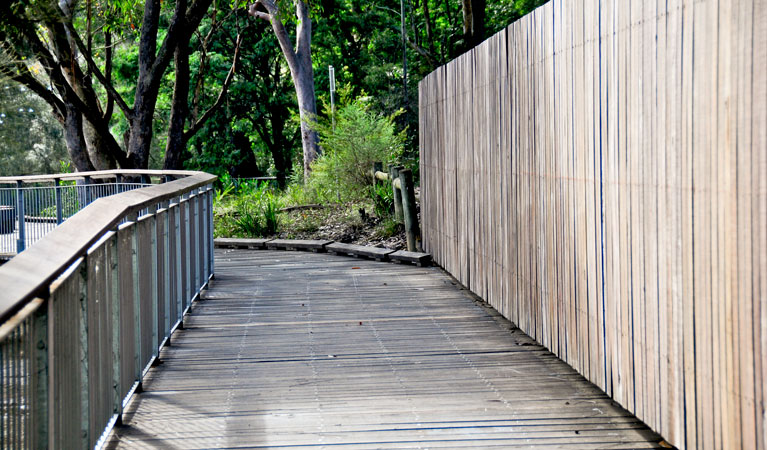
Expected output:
(332, 76)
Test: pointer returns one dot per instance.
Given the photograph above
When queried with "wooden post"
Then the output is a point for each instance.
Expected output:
(394, 175)
(412, 232)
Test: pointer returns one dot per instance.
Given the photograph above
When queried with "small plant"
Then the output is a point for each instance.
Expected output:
(295, 194)
(248, 222)
(270, 207)
(223, 192)
(389, 227)
(253, 213)
(383, 200)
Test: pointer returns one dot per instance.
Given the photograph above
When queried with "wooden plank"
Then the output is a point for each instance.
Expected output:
(254, 243)
(759, 205)
(418, 258)
(318, 353)
(298, 244)
(702, 109)
(377, 253)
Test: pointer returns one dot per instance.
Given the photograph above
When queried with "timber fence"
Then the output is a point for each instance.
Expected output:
(597, 172)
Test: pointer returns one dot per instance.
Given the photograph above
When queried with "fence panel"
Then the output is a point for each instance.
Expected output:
(596, 172)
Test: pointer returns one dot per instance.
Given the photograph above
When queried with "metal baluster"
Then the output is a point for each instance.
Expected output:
(21, 243)
(59, 206)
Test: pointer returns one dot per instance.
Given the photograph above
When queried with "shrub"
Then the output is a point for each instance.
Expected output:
(359, 139)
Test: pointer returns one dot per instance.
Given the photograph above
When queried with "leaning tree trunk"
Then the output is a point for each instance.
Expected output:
(300, 64)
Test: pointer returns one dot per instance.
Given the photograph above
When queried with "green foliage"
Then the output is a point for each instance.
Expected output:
(32, 139)
(383, 199)
(360, 138)
(248, 135)
(389, 227)
(222, 193)
(251, 212)
(295, 193)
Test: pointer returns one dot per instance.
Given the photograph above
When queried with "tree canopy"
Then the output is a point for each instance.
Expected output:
(200, 84)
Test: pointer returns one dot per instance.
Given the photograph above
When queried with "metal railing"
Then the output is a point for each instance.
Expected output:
(85, 310)
(32, 206)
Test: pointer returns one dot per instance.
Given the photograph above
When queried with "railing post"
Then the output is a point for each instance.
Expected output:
(113, 276)
(21, 243)
(188, 247)
(195, 240)
(88, 194)
(393, 176)
(211, 252)
(59, 206)
(137, 356)
(412, 232)
(179, 283)
(155, 284)
(204, 236)
(166, 271)
(85, 424)
(39, 377)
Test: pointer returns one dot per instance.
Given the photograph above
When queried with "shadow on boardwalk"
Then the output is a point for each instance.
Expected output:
(292, 349)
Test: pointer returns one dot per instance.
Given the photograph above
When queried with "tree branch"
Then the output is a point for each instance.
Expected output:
(279, 31)
(94, 68)
(423, 52)
(221, 96)
(194, 15)
(24, 77)
(108, 73)
(260, 14)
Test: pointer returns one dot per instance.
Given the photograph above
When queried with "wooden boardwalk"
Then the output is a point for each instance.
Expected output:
(297, 350)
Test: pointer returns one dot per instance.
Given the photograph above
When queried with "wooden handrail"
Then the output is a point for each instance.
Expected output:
(29, 274)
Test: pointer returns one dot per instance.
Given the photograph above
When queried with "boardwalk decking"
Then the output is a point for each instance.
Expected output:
(307, 350)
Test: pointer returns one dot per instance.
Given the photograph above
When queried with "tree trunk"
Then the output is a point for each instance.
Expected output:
(279, 149)
(73, 136)
(152, 66)
(179, 110)
(300, 64)
(308, 112)
(96, 146)
(473, 23)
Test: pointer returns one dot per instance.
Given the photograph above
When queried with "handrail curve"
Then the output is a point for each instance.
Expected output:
(28, 274)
